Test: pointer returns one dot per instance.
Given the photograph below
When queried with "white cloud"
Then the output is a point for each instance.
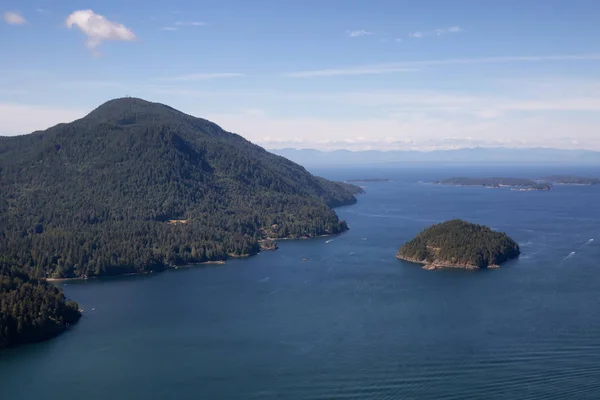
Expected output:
(193, 23)
(168, 28)
(13, 18)
(41, 10)
(18, 119)
(359, 33)
(402, 66)
(436, 32)
(202, 76)
(97, 28)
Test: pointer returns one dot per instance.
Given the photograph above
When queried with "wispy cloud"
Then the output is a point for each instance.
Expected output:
(436, 32)
(13, 18)
(403, 66)
(97, 28)
(41, 10)
(180, 24)
(193, 23)
(359, 33)
(364, 70)
(202, 76)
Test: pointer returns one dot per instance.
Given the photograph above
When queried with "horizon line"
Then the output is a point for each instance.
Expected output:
(429, 151)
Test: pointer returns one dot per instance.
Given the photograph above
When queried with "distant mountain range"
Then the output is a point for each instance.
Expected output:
(498, 155)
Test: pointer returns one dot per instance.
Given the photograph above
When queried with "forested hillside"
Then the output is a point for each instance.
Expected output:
(136, 186)
(31, 309)
(459, 243)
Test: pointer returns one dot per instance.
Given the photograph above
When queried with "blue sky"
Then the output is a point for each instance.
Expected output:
(323, 74)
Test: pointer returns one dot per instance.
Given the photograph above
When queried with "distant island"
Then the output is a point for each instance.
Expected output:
(459, 244)
(513, 183)
(570, 180)
(367, 180)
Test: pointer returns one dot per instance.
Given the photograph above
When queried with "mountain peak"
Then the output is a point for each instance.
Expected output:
(128, 108)
(132, 111)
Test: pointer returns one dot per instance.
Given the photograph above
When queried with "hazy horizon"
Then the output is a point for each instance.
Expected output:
(473, 156)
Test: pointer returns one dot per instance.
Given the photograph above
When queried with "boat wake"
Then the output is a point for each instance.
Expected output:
(571, 254)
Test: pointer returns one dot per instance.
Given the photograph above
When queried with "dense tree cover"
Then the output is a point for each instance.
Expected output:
(136, 186)
(497, 182)
(31, 309)
(571, 180)
(460, 243)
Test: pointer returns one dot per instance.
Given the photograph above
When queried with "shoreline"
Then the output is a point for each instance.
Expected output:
(80, 278)
(214, 262)
(188, 265)
(442, 265)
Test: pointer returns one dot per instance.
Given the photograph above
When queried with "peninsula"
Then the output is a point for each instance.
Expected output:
(136, 187)
(513, 183)
(459, 244)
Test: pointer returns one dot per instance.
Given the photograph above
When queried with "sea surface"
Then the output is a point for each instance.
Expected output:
(351, 321)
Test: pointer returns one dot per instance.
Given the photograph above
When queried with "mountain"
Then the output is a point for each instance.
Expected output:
(311, 157)
(136, 186)
(459, 244)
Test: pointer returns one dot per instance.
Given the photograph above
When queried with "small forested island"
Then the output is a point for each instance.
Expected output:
(459, 244)
(31, 309)
(136, 187)
(570, 180)
(514, 183)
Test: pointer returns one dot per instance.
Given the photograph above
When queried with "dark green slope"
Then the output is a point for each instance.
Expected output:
(31, 310)
(95, 197)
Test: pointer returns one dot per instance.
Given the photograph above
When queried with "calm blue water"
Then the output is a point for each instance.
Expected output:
(351, 322)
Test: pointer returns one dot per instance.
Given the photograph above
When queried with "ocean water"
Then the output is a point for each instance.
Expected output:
(351, 321)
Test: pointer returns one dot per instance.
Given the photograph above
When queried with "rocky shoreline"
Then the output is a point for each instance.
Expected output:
(439, 264)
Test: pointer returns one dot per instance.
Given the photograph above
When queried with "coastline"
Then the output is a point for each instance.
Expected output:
(210, 262)
(81, 278)
(442, 264)
(188, 265)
